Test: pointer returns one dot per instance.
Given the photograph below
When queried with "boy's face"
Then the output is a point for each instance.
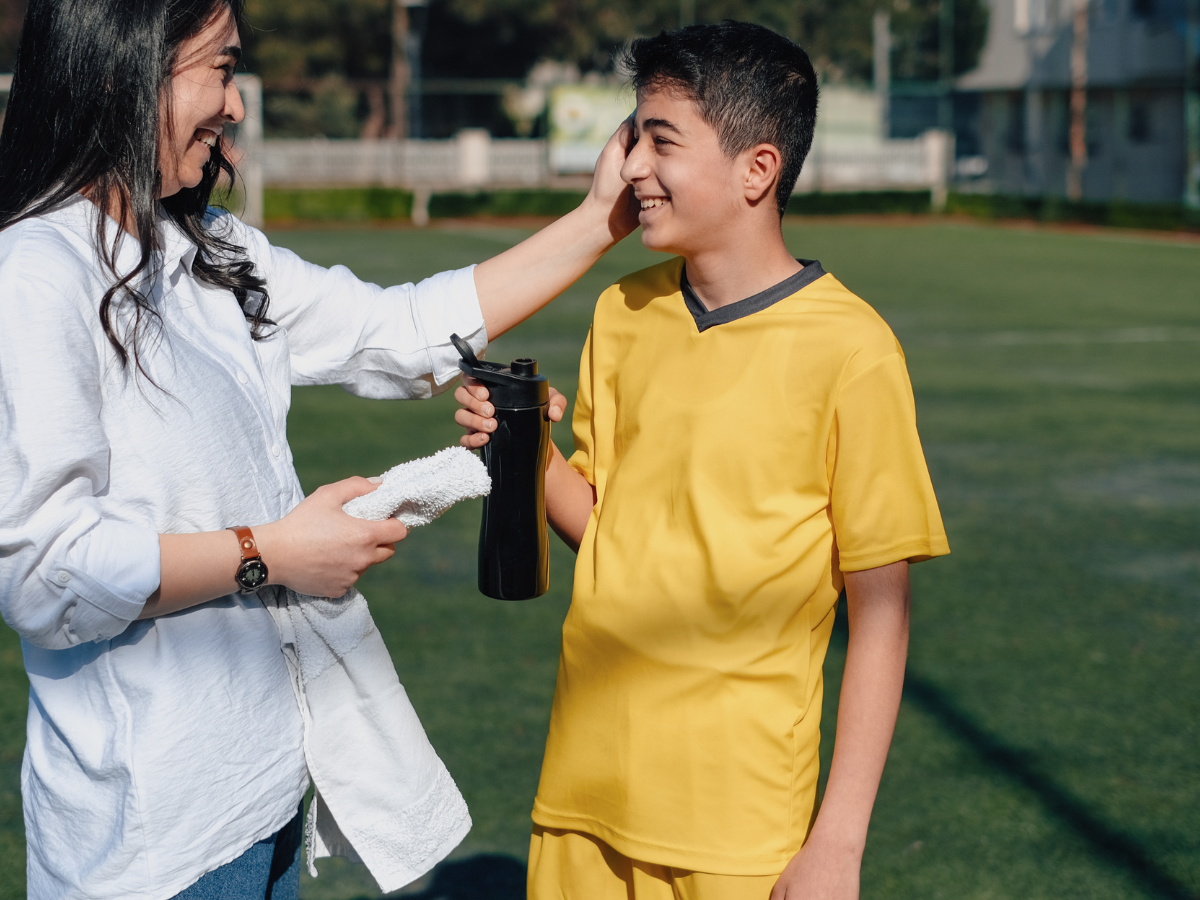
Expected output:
(688, 188)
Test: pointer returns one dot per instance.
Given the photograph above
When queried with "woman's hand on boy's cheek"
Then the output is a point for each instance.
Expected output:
(558, 406)
(475, 414)
(610, 189)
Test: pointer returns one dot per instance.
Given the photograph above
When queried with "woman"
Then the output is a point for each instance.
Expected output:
(147, 348)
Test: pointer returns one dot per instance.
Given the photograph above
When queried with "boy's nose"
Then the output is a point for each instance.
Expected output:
(635, 166)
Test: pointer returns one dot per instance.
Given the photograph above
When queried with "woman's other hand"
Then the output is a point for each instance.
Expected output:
(318, 549)
(476, 413)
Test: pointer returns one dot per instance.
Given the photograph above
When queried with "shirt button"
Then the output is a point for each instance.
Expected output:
(275, 451)
(63, 577)
(242, 377)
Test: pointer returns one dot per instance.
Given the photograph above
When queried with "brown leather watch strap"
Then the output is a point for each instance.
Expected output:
(246, 541)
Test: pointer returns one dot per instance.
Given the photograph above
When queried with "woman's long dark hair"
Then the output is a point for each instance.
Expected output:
(91, 90)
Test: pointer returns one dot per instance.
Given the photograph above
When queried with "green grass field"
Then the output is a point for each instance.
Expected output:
(1047, 747)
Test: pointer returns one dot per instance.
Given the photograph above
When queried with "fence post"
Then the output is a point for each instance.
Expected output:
(250, 143)
(474, 147)
(938, 147)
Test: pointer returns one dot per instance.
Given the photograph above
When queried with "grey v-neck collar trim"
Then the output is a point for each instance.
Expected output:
(706, 318)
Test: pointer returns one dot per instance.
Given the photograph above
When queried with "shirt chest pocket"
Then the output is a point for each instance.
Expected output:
(274, 362)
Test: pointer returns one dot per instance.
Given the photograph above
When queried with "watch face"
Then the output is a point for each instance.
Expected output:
(252, 574)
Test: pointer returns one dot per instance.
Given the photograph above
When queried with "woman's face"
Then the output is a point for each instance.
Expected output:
(204, 100)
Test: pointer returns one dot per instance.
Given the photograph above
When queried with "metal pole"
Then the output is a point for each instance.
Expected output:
(1191, 195)
(1079, 80)
(883, 70)
(946, 65)
(1033, 108)
(417, 13)
(400, 73)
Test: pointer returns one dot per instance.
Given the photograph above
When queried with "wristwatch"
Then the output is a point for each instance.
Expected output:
(252, 573)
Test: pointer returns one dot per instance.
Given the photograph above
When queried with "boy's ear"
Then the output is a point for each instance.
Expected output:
(761, 173)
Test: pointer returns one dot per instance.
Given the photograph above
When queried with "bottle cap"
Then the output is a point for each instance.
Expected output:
(516, 386)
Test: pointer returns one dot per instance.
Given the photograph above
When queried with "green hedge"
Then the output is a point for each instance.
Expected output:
(504, 203)
(1118, 213)
(859, 203)
(336, 204)
(382, 204)
(377, 203)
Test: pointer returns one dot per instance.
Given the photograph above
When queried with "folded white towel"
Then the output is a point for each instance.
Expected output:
(419, 491)
(381, 794)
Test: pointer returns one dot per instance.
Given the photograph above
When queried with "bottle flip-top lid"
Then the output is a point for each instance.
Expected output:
(515, 386)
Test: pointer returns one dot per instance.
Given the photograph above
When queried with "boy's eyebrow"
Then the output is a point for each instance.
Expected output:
(661, 123)
(232, 50)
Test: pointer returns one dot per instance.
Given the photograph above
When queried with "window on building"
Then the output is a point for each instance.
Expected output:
(1014, 130)
(1140, 131)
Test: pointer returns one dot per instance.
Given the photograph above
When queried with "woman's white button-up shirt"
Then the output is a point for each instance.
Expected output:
(160, 749)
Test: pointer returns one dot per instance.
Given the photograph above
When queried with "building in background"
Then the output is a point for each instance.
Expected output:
(1130, 75)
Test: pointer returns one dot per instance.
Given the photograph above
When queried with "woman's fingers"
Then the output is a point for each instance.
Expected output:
(558, 406)
(610, 188)
(347, 489)
(390, 532)
(475, 415)
(474, 399)
(473, 422)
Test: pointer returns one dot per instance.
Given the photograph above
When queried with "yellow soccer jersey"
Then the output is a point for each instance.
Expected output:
(743, 459)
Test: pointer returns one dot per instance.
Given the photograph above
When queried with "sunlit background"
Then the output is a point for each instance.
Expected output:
(1013, 185)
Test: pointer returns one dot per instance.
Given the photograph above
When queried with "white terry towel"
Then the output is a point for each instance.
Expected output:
(418, 492)
(382, 795)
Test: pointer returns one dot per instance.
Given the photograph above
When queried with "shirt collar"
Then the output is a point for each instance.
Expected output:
(177, 248)
(78, 215)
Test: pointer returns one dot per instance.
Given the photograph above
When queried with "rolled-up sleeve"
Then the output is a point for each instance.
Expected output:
(381, 343)
(68, 574)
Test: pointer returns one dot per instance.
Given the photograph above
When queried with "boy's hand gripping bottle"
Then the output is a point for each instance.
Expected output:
(514, 559)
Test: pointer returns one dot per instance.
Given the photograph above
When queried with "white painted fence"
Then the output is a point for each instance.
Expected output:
(473, 159)
(921, 162)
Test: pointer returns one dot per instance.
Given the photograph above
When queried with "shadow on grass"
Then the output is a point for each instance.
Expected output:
(491, 875)
(1109, 844)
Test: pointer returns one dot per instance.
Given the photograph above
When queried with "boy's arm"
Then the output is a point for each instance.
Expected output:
(569, 500)
(877, 602)
(569, 496)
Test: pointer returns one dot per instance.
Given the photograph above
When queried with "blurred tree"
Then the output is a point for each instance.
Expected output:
(915, 25)
(323, 62)
(296, 40)
(836, 33)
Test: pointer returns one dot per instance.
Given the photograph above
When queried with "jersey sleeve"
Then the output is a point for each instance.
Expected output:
(883, 505)
(583, 425)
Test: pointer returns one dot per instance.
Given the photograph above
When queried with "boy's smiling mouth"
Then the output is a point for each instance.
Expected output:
(654, 202)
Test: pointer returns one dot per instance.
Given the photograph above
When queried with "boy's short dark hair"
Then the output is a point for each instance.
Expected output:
(752, 86)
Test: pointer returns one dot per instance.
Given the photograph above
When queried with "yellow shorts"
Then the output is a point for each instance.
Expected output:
(570, 865)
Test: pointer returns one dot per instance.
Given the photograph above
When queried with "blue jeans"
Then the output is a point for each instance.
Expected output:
(269, 870)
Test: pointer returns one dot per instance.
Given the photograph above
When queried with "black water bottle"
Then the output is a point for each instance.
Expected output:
(514, 552)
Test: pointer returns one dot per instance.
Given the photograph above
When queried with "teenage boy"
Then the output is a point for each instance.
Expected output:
(746, 448)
